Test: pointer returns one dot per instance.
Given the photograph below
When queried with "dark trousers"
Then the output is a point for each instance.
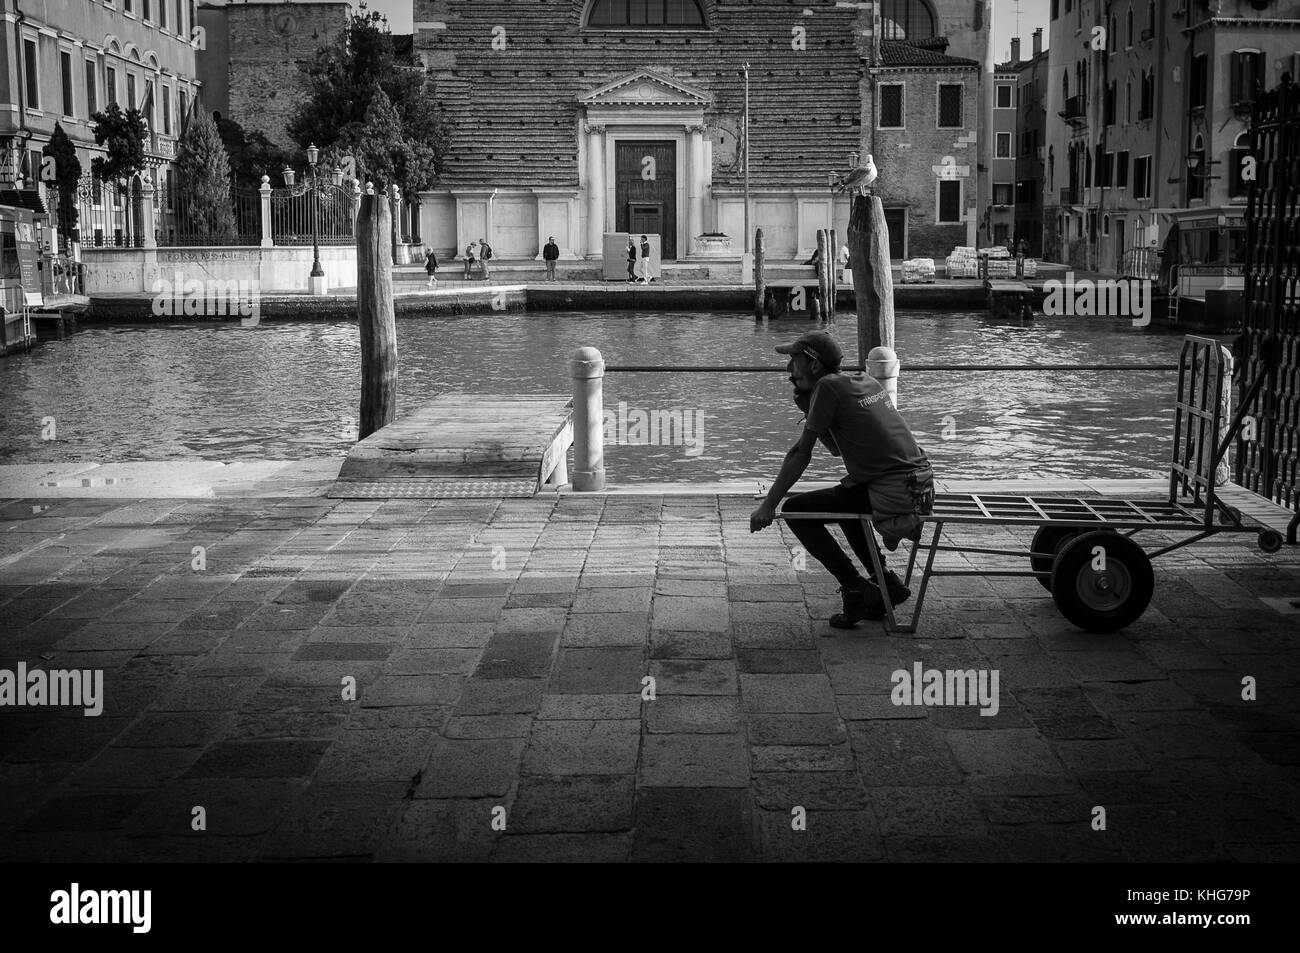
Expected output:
(817, 539)
(550, 271)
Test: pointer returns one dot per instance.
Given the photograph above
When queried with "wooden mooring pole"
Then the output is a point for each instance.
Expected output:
(833, 281)
(760, 283)
(823, 285)
(375, 314)
(873, 282)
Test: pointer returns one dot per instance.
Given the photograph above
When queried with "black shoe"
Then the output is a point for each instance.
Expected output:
(855, 605)
(874, 605)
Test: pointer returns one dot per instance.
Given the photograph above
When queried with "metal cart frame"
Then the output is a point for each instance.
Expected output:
(1084, 551)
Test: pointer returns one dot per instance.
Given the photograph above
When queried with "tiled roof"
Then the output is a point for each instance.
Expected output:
(513, 112)
(900, 53)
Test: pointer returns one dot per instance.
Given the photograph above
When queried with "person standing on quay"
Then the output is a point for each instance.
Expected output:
(484, 254)
(549, 254)
(431, 266)
(647, 275)
(631, 259)
(471, 256)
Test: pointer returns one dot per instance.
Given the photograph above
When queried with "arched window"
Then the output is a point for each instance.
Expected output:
(647, 14)
(1238, 186)
(906, 20)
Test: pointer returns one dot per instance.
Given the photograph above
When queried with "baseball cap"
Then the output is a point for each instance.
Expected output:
(818, 344)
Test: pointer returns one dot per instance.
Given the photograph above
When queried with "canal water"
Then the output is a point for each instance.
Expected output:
(291, 390)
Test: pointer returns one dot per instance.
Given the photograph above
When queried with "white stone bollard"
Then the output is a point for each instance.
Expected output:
(587, 369)
(882, 364)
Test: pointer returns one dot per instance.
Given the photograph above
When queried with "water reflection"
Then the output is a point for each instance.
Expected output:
(289, 391)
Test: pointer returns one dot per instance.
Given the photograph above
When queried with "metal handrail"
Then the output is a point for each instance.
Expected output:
(742, 369)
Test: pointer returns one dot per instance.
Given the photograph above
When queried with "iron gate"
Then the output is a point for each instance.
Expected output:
(295, 209)
(1268, 453)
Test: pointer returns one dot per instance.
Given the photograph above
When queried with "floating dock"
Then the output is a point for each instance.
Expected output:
(464, 445)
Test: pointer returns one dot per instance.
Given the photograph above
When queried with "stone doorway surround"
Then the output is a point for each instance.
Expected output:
(644, 105)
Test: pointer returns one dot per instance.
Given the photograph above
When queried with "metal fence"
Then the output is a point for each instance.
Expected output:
(292, 215)
(110, 215)
(1140, 263)
(1268, 457)
(61, 275)
(182, 223)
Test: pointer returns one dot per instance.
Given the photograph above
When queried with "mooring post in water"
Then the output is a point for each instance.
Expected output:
(833, 275)
(873, 282)
(823, 285)
(587, 369)
(760, 283)
(375, 315)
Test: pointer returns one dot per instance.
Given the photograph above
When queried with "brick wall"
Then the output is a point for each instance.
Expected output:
(514, 113)
(265, 82)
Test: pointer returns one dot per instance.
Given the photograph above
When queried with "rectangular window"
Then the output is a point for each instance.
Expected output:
(1055, 9)
(891, 106)
(145, 11)
(1237, 185)
(130, 92)
(167, 109)
(1147, 108)
(149, 107)
(162, 14)
(949, 200)
(128, 6)
(65, 80)
(1108, 105)
(1121, 170)
(92, 94)
(1006, 99)
(1001, 193)
(1247, 76)
(110, 85)
(950, 106)
(185, 109)
(1003, 146)
(1142, 177)
(1197, 87)
(32, 75)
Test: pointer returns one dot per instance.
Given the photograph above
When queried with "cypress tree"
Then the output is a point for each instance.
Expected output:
(203, 177)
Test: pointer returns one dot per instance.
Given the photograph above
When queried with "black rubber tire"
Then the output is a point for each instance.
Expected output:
(1270, 540)
(1102, 601)
(1049, 540)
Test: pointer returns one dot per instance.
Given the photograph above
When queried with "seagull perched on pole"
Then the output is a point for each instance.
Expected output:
(860, 178)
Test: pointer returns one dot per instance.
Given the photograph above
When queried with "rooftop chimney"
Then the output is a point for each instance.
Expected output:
(1038, 41)
(1015, 50)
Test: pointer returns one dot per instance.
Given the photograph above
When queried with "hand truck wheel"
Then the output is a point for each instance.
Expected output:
(1270, 540)
(1102, 581)
(1048, 541)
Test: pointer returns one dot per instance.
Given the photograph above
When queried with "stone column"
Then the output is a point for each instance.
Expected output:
(265, 191)
(595, 190)
(146, 223)
(695, 197)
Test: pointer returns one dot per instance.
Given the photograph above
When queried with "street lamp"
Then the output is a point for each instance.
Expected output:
(316, 270)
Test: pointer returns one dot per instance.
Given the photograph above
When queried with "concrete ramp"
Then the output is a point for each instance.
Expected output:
(464, 445)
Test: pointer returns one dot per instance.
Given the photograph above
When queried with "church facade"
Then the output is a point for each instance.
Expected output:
(574, 118)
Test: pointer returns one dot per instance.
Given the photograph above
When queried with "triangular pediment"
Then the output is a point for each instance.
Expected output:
(645, 88)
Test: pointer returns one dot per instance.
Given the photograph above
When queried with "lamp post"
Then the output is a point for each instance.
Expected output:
(317, 277)
(747, 259)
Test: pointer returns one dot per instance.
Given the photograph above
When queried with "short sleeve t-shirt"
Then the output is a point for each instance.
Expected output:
(872, 436)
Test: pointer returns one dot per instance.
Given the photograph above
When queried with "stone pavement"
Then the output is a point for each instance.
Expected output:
(499, 651)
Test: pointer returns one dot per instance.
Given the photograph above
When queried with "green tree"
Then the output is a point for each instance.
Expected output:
(342, 83)
(122, 136)
(251, 154)
(67, 173)
(203, 174)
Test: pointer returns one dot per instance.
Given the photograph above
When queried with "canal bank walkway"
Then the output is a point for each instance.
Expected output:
(500, 651)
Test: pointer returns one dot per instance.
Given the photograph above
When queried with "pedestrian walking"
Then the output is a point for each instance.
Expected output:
(631, 259)
(550, 254)
(843, 262)
(485, 255)
(647, 275)
(431, 266)
(471, 256)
